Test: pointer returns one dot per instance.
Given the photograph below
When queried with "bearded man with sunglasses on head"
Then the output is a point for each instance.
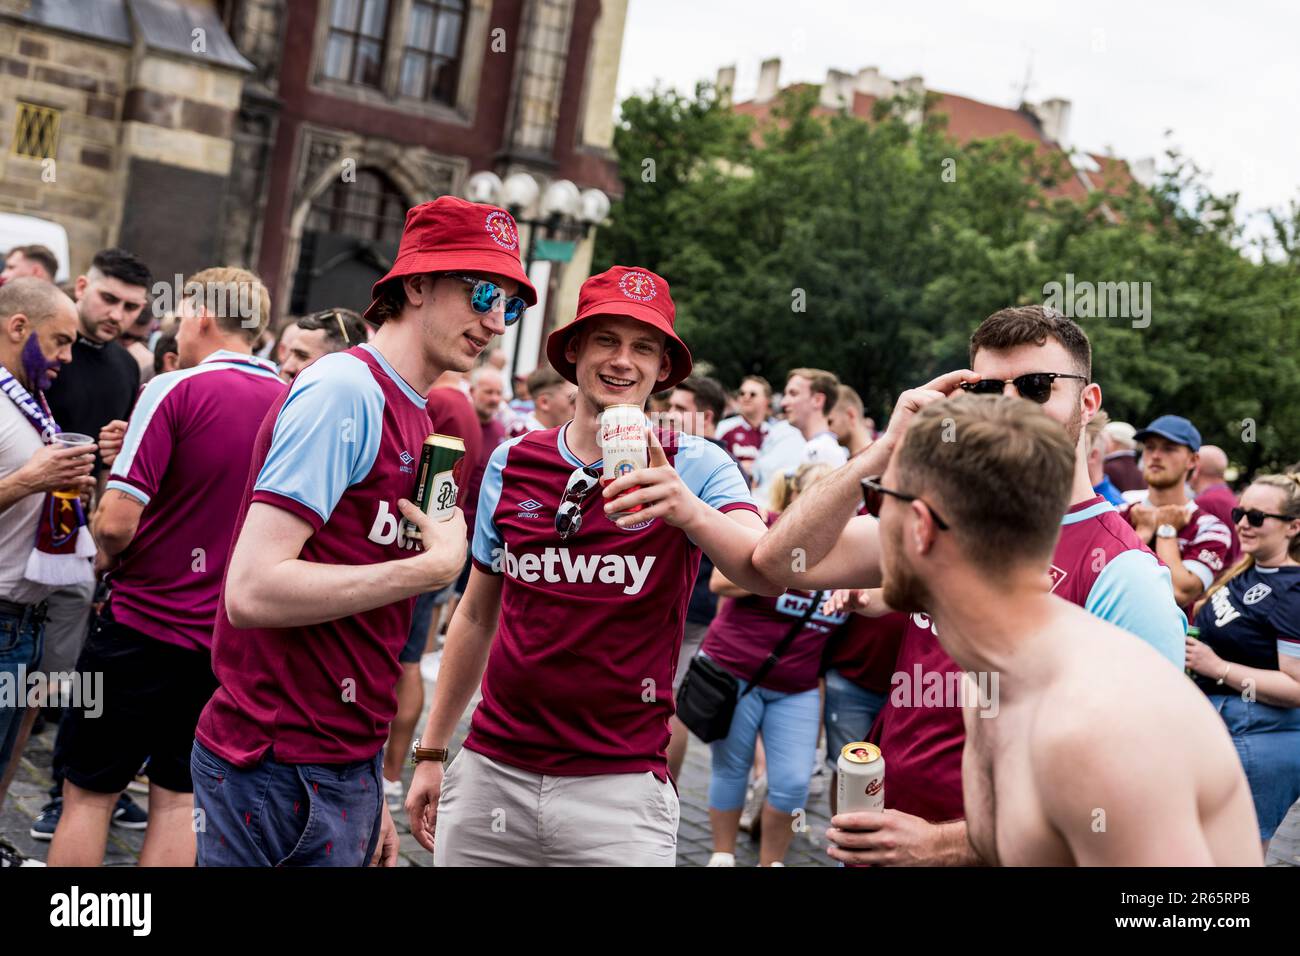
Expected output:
(1098, 563)
(574, 614)
(318, 595)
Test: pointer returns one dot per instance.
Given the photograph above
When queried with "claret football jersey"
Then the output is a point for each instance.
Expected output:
(338, 451)
(579, 678)
(184, 458)
(1100, 565)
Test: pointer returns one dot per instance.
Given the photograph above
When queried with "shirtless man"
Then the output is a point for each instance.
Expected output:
(1098, 752)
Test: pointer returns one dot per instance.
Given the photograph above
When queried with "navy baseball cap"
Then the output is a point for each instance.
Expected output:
(1175, 429)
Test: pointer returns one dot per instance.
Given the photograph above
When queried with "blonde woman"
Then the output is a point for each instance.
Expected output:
(785, 707)
(1247, 657)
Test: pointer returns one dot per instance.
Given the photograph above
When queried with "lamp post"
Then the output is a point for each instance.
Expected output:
(557, 218)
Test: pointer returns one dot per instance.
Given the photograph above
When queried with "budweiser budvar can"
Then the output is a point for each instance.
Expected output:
(861, 783)
(623, 445)
(437, 481)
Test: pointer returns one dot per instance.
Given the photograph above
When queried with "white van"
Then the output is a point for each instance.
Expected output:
(16, 230)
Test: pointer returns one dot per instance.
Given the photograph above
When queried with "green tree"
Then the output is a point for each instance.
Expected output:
(874, 249)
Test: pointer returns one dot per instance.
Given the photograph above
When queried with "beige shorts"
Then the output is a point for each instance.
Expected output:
(491, 814)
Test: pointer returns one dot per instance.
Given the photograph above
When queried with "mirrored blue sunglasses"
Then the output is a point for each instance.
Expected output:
(486, 295)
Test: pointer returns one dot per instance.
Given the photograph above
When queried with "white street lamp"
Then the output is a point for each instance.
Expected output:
(594, 207)
(519, 192)
(561, 198)
(483, 186)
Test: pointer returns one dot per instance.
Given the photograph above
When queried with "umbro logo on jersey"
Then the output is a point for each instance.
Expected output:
(554, 565)
(1257, 594)
(406, 457)
(529, 509)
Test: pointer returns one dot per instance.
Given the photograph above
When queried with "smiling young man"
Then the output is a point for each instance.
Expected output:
(1098, 563)
(1097, 752)
(317, 602)
(573, 617)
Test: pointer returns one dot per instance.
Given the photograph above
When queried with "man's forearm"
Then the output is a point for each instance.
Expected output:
(813, 523)
(953, 847)
(1187, 586)
(464, 658)
(296, 593)
(730, 546)
(13, 490)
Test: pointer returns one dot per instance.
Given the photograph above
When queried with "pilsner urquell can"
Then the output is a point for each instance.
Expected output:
(861, 784)
(622, 446)
(437, 480)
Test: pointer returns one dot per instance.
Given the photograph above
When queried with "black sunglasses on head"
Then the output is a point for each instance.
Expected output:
(1036, 386)
(873, 496)
(1256, 517)
(568, 516)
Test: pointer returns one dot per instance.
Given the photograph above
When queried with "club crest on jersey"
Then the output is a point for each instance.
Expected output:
(1256, 594)
(638, 286)
(502, 230)
(1058, 575)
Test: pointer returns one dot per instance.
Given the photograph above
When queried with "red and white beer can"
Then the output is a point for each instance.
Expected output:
(861, 784)
(622, 445)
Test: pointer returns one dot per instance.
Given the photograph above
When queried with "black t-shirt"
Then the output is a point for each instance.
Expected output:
(99, 386)
(1252, 619)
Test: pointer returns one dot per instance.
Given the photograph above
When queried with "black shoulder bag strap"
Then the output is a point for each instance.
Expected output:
(774, 657)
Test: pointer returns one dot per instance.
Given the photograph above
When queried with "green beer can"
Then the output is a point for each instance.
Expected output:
(437, 479)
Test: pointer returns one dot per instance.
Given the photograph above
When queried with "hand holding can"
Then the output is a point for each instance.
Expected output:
(437, 482)
(623, 446)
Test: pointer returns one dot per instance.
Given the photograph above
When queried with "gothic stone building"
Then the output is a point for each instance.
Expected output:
(292, 135)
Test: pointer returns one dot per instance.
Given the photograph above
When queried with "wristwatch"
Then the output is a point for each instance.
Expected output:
(419, 753)
(1166, 531)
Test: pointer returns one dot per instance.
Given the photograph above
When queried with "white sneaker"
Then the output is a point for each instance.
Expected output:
(722, 859)
(429, 665)
(393, 790)
(754, 798)
(778, 863)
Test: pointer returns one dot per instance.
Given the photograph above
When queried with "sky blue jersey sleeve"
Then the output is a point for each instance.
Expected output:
(487, 536)
(1135, 592)
(326, 435)
(711, 473)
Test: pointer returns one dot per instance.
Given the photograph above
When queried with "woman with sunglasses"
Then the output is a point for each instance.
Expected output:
(785, 707)
(1247, 657)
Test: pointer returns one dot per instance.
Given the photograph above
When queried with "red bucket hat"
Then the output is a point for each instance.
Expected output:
(451, 234)
(635, 293)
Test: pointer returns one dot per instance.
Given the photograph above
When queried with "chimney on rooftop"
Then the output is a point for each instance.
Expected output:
(913, 86)
(1144, 171)
(870, 82)
(769, 80)
(837, 91)
(1053, 119)
(726, 83)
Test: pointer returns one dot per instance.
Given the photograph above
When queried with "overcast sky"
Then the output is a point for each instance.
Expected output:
(1223, 77)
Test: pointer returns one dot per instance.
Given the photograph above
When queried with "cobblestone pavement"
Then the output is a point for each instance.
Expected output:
(694, 844)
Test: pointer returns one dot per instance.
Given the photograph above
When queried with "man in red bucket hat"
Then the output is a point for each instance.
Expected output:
(318, 593)
(572, 620)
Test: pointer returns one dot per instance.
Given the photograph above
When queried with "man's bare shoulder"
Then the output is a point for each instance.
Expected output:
(1112, 705)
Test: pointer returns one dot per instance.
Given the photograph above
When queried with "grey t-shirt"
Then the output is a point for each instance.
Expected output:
(18, 442)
